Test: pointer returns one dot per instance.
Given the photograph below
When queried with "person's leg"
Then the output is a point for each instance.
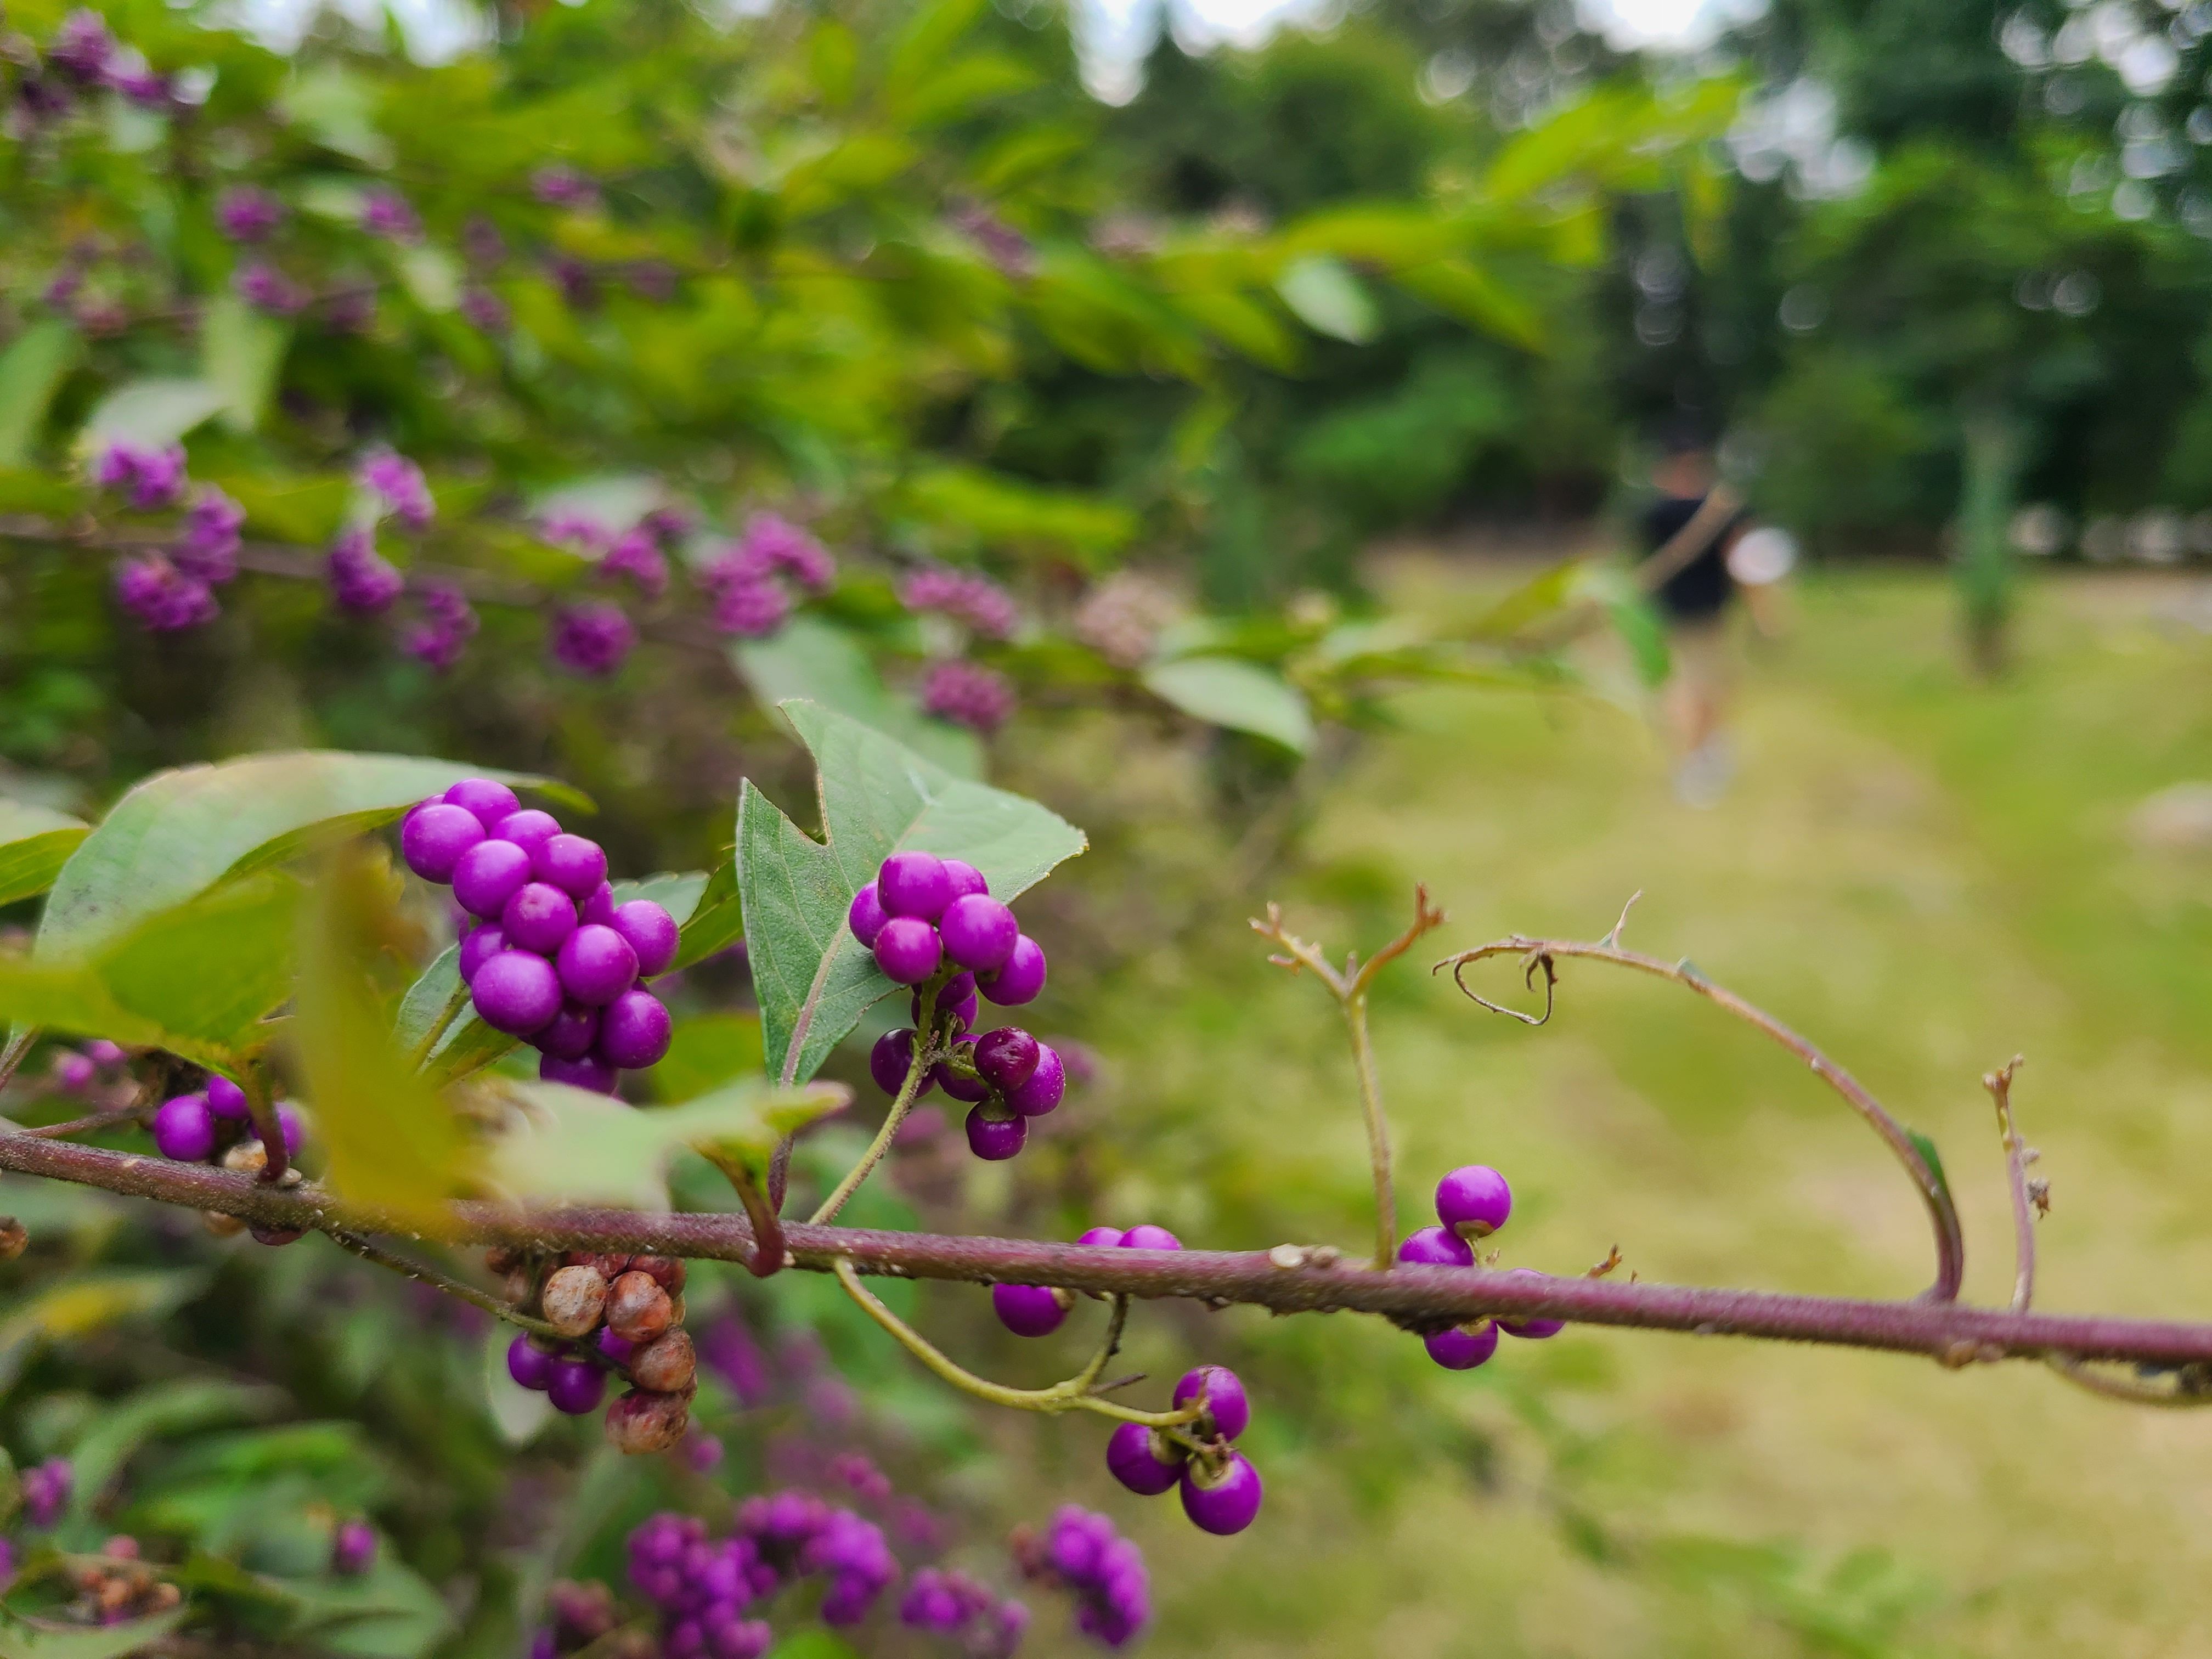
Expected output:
(1697, 702)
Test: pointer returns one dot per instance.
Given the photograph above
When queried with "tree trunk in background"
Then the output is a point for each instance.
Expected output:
(1984, 551)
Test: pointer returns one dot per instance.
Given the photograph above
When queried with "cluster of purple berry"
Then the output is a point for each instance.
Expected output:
(80, 1071)
(611, 1314)
(398, 486)
(1081, 1553)
(46, 1490)
(212, 1125)
(967, 694)
(950, 1603)
(84, 57)
(172, 589)
(746, 581)
(551, 958)
(1472, 1203)
(704, 1588)
(966, 597)
(932, 924)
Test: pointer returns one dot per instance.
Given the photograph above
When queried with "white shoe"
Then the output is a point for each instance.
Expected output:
(1703, 775)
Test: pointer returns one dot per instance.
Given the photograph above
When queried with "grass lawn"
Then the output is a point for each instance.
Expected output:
(1925, 875)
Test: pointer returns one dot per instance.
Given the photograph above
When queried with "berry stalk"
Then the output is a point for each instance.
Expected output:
(917, 1068)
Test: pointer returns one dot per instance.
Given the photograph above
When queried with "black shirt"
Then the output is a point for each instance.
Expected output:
(1702, 588)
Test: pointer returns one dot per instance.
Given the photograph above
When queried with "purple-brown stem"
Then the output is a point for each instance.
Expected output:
(1286, 1279)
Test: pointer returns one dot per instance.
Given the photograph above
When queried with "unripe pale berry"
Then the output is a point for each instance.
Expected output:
(1226, 1403)
(1020, 979)
(651, 932)
(434, 837)
(637, 1307)
(914, 884)
(478, 948)
(586, 1074)
(1046, 1084)
(1473, 1201)
(995, 1139)
(634, 1031)
(574, 1299)
(907, 950)
(529, 828)
(666, 1365)
(890, 1059)
(183, 1129)
(865, 916)
(643, 1421)
(577, 1387)
(1146, 1463)
(969, 1089)
(488, 875)
(576, 866)
(1434, 1247)
(1464, 1346)
(529, 1364)
(1145, 1237)
(979, 933)
(1222, 1502)
(596, 964)
(487, 801)
(1030, 1310)
(516, 992)
(1006, 1057)
(225, 1098)
(569, 1034)
(1533, 1329)
(540, 917)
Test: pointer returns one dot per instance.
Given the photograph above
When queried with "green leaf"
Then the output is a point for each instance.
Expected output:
(1476, 297)
(240, 352)
(1239, 695)
(32, 370)
(433, 277)
(717, 922)
(707, 1051)
(84, 1303)
(160, 972)
(1927, 1150)
(335, 107)
(179, 833)
(70, 997)
(152, 413)
(1328, 298)
(175, 1406)
(21, 1641)
(574, 1146)
(813, 978)
(816, 659)
(35, 843)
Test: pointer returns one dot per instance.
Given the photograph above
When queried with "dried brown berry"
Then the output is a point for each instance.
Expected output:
(15, 1238)
(643, 1421)
(637, 1309)
(612, 1264)
(666, 1365)
(667, 1271)
(501, 1260)
(574, 1299)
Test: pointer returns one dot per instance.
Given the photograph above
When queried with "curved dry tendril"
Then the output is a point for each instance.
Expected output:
(1542, 953)
(1078, 1393)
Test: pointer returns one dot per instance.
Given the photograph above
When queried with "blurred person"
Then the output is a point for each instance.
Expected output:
(1686, 536)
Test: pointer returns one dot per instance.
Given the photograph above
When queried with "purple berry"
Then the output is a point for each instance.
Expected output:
(353, 1549)
(488, 801)
(1533, 1329)
(295, 1132)
(586, 1074)
(1464, 1346)
(540, 917)
(478, 948)
(1029, 1309)
(1434, 1247)
(890, 1059)
(965, 878)
(616, 1348)
(1226, 1403)
(74, 1072)
(966, 1089)
(951, 1002)
(577, 1387)
(104, 1053)
(488, 875)
(1145, 1462)
(529, 828)
(995, 1139)
(651, 932)
(979, 933)
(516, 992)
(1145, 1237)
(577, 866)
(1020, 979)
(529, 1364)
(634, 1031)
(914, 884)
(1222, 1504)
(183, 1129)
(1102, 1238)
(1045, 1086)
(865, 916)
(907, 950)
(434, 837)
(600, 907)
(1473, 1201)
(1007, 1057)
(225, 1098)
(569, 1034)
(596, 964)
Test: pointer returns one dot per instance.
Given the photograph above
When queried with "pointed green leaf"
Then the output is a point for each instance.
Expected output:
(813, 978)
(814, 659)
(32, 370)
(213, 970)
(152, 413)
(177, 1406)
(84, 1303)
(19, 1640)
(1239, 695)
(707, 1051)
(35, 843)
(1328, 298)
(240, 352)
(179, 833)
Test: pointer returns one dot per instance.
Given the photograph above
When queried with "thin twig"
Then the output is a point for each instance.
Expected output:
(11, 1057)
(910, 1090)
(87, 1125)
(1540, 953)
(421, 1053)
(401, 1265)
(1999, 1083)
